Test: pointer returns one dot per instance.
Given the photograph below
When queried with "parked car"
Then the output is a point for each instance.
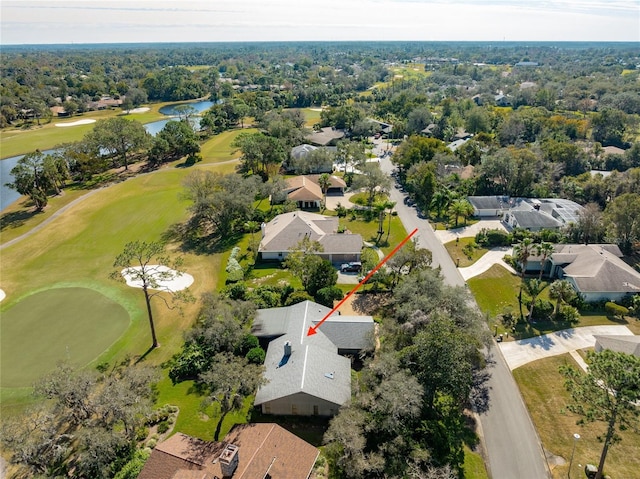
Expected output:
(353, 267)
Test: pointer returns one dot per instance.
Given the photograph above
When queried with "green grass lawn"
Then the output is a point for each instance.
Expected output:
(459, 256)
(79, 249)
(495, 290)
(311, 116)
(194, 419)
(77, 324)
(369, 231)
(474, 467)
(218, 148)
(542, 388)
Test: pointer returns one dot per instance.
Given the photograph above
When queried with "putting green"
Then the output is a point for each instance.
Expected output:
(74, 324)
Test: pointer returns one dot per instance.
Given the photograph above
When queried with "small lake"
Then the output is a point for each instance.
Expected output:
(198, 107)
(8, 196)
(155, 127)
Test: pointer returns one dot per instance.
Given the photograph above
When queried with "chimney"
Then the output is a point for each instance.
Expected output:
(263, 228)
(229, 460)
(287, 348)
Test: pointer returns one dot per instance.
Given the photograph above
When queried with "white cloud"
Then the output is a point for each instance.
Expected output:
(95, 21)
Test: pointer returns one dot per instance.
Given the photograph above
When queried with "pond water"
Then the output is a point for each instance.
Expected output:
(8, 196)
(198, 107)
(156, 126)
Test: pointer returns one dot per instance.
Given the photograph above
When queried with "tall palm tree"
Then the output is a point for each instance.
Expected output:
(521, 252)
(466, 210)
(544, 250)
(378, 208)
(390, 205)
(562, 292)
(456, 209)
(440, 200)
(324, 181)
(533, 288)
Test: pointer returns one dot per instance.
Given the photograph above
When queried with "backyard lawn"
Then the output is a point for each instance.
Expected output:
(542, 388)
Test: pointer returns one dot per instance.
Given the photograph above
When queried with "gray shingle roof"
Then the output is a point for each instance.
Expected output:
(620, 343)
(597, 268)
(285, 231)
(534, 219)
(302, 151)
(349, 332)
(325, 136)
(314, 366)
(488, 202)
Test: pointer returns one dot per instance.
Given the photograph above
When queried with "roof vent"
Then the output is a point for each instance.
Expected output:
(329, 375)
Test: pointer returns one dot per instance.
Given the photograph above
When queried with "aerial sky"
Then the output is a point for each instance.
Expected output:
(133, 21)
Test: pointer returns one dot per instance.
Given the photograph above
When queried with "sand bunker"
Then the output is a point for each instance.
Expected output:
(140, 110)
(2, 295)
(160, 273)
(77, 122)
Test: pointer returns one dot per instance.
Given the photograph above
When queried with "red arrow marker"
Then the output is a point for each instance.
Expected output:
(312, 330)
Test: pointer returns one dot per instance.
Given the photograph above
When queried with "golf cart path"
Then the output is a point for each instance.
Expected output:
(521, 352)
(61, 211)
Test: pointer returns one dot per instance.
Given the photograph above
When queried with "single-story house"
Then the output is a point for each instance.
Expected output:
(305, 190)
(487, 206)
(535, 214)
(381, 127)
(502, 100)
(299, 161)
(596, 271)
(628, 344)
(305, 193)
(302, 151)
(285, 231)
(428, 131)
(250, 451)
(306, 375)
(325, 136)
(454, 145)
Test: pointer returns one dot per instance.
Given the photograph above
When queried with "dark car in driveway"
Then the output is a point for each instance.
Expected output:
(353, 267)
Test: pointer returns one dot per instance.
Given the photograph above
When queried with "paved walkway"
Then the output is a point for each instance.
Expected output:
(469, 231)
(519, 353)
(491, 257)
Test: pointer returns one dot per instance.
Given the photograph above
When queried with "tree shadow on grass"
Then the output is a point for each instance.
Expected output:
(189, 242)
(15, 219)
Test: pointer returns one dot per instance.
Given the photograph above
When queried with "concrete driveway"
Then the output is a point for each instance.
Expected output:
(491, 257)
(333, 200)
(519, 353)
(469, 231)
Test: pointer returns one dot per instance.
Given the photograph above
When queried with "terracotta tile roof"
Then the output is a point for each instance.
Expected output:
(263, 448)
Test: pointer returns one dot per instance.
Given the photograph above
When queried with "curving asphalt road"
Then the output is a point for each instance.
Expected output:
(511, 443)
